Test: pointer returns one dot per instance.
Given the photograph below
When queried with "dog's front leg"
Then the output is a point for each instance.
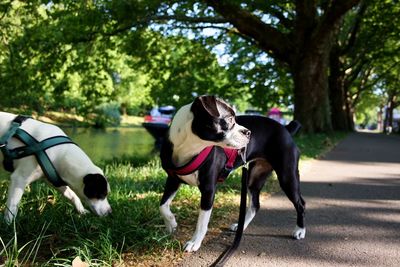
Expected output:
(15, 192)
(69, 194)
(201, 230)
(171, 187)
(207, 200)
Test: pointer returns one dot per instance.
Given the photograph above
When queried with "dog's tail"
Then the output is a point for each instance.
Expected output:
(293, 127)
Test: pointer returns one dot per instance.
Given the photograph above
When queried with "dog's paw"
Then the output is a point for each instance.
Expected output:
(171, 227)
(191, 246)
(170, 224)
(233, 227)
(299, 233)
(8, 218)
(83, 211)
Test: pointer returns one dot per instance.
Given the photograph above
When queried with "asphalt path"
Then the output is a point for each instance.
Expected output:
(352, 216)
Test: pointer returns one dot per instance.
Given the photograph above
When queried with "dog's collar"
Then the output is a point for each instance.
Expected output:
(198, 161)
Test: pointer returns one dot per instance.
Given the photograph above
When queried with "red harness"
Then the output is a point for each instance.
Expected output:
(197, 161)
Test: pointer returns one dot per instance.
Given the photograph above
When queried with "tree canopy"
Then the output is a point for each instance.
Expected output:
(324, 60)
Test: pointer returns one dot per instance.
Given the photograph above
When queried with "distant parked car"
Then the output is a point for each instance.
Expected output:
(157, 121)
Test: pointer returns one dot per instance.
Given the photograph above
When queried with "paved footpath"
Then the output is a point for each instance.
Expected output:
(352, 217)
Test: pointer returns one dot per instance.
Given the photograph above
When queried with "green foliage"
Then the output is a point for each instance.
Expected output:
(77, 56)
(372, 64)
(107, 114)
(179, 68)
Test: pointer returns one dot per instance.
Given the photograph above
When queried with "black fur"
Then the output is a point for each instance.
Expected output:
(206, 118)
(95, 186)
(271, 147)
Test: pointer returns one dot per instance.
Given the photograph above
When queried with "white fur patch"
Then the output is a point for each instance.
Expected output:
(250, 213)
(100, 207)
(186, 144)
(299, 233)
(235, 137)
(201, 230)
(168, 216)
(191, 179)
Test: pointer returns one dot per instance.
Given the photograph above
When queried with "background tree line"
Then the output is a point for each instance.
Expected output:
(327, 60)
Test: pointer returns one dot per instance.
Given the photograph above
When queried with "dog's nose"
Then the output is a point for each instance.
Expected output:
(246, 132)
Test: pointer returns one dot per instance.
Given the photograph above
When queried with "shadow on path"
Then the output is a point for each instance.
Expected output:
(352, 217)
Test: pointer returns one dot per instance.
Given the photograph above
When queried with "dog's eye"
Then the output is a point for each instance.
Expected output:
(230, 121)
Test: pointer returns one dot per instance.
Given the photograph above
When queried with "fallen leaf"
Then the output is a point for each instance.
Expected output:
(77, 262)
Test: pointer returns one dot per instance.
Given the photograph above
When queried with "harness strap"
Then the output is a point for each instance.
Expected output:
(194, 164)
(15, 124)
(231, 155)
(32, 147)
(198, 161)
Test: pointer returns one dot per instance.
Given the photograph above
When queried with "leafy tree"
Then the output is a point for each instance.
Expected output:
(180, 68)
(361, 59)
(80, 55)
(297, 34)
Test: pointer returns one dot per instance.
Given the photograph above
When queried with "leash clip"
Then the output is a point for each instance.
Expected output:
(243, 153)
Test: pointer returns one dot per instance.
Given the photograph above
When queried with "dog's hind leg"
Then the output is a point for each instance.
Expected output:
(258, 172)
(289, 180)
(171, 187)
(19, 179)
(70, 195)
(15, 192)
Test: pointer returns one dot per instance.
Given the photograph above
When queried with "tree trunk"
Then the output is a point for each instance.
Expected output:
(341, 113)
(388, 124)
(305, 46)
(349, 114)
(311, 97)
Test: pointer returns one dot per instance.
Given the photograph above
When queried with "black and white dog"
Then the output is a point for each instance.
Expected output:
(84, 180)
(211, 121)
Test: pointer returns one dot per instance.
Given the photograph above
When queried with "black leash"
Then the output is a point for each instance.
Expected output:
(239, 232)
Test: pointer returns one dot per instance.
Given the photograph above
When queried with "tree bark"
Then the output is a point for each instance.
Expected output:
(311, 98)
(388, 123)
(305, 48)
(341, 114)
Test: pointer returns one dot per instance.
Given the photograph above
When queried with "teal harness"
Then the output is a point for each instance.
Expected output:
(32, 147)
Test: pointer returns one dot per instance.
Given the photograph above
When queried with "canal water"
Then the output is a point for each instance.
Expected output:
(112, 142)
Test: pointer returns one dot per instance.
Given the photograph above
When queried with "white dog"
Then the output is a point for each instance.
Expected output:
(80, 178)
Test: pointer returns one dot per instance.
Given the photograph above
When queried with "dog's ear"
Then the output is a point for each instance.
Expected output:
(95, 186)
(205, 103)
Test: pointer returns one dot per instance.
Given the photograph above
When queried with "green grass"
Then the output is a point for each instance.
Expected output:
(315, 145)
(49, 232)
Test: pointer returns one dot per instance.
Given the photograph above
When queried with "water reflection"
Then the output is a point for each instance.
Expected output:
(109, 143)
(113, 142)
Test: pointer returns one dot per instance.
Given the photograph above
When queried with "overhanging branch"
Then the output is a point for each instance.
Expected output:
(180, 18)
(268, 38)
